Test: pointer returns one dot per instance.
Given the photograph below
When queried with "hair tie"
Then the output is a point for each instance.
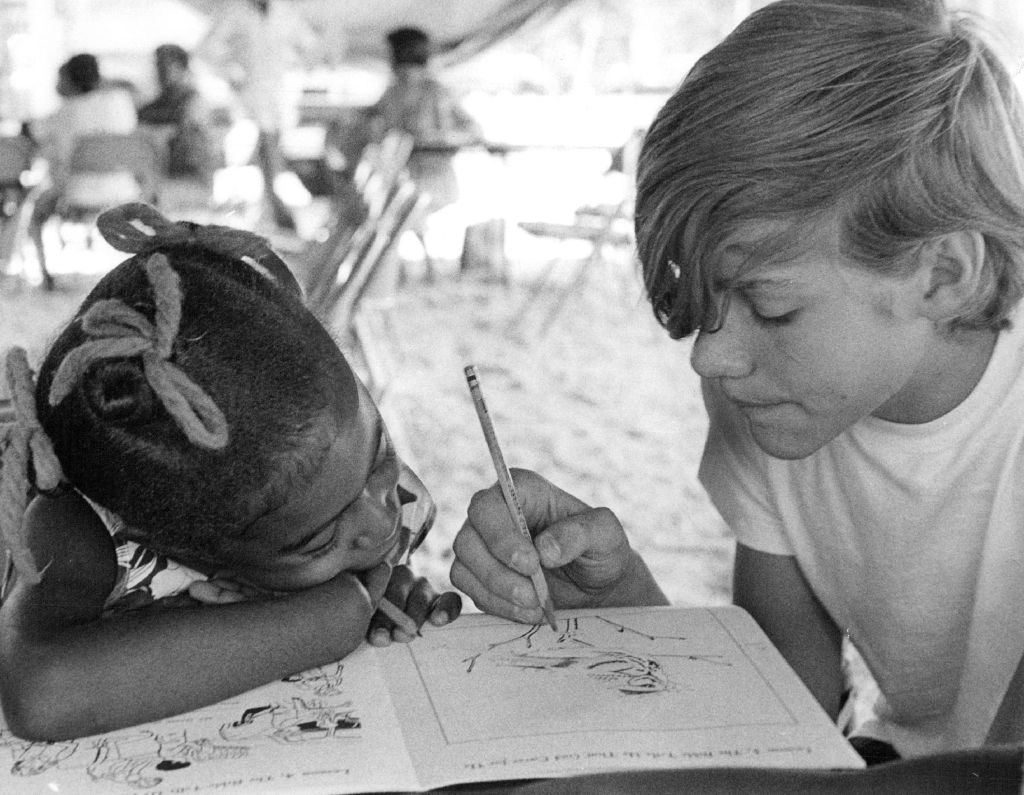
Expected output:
(138, 228)
(25, 442)
(118, 331)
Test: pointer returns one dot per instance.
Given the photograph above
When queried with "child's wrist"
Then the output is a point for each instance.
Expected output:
(347, 588)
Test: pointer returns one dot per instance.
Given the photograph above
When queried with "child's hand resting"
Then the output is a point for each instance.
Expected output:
(413, 595)
(585, 550)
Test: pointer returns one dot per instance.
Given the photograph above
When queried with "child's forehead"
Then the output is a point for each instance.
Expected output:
(763, 250)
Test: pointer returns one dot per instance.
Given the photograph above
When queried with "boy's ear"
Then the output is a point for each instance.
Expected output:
(951, 268)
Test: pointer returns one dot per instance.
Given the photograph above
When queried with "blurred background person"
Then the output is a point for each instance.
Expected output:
(255, 43)
(181, 118)
(418, 103)
(88, 106)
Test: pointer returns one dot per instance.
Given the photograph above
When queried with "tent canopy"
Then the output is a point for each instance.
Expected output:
(459, 28)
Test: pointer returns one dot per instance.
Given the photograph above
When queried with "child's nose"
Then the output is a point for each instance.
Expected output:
(721, 354)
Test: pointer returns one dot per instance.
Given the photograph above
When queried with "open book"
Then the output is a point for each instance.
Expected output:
(480, 700)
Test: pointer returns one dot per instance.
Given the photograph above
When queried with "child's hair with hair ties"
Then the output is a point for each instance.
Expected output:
(190, 393)
(895, 116)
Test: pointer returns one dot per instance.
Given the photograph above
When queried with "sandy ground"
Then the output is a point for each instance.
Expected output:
(603, 403)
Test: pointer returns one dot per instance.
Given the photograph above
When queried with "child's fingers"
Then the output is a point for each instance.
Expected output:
(445, 608)
(394, 589)
(595, 534)
(490, 602)
(420, 597)
(400, 587)
(216, 592)
(492, 575)
(376, 580)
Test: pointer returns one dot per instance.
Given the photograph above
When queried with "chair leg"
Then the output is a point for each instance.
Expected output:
(584, 269)
(428, 262)
(36, 233)
(534, 292)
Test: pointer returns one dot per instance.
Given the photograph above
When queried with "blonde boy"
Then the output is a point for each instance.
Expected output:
(833, 201)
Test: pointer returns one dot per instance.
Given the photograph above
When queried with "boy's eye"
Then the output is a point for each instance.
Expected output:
(773, 320)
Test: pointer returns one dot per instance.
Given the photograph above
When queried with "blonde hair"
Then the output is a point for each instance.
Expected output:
(900, 119)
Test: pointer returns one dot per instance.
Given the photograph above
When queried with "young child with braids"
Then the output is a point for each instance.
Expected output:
(196, 440)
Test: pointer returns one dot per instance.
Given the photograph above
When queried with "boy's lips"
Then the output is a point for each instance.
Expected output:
(753, 402)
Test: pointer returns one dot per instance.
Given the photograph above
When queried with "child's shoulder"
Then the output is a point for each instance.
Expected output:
(72, 546)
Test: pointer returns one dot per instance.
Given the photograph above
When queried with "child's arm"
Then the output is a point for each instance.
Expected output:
(773, 590)
(65, 672)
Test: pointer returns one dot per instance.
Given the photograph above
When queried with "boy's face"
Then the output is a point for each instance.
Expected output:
(347, 518)
(811, 342)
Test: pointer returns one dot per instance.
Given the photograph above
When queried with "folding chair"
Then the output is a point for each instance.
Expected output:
(107, 169)
(602, 227)
(356, 308)
(377, 175)
(16, 154)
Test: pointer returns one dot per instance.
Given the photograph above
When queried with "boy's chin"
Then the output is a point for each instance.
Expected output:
(786, 446)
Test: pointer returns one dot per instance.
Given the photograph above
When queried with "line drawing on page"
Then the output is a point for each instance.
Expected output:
(143, 758)
(490, 681)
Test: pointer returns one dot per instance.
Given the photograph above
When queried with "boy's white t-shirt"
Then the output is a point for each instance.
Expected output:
(912, 537)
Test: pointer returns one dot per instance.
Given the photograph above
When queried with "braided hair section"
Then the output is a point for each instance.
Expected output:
(138, 228)
(26, 449)
(117, 331)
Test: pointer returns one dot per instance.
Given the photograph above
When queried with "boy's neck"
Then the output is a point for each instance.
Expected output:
(945, 380)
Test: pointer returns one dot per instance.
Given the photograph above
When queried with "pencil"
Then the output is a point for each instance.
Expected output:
(508, 489)
(402, 621)
(7, 573)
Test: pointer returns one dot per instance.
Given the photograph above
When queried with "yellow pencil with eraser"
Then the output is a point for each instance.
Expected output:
(508, 489)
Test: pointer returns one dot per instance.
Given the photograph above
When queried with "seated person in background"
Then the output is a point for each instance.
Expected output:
(418, 103)
(181, 110)
(87, 107)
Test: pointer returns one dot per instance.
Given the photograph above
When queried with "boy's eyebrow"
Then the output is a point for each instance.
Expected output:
(750, 283)
(295, 546)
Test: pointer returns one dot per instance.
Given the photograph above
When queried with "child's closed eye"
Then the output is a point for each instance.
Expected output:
(768, 312)
(322, 543)
(773, 319)
(327, 546)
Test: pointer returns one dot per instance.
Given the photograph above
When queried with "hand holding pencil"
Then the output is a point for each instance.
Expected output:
(586, 557)
(508, 488)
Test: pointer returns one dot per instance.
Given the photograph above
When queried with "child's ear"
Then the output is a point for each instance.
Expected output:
(951, 268)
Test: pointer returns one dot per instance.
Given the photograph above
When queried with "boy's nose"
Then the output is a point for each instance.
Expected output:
(720, 354)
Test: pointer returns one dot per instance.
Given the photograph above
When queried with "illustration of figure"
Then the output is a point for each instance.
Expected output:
(627, 672)
(31, 759)
(302, 721)
(325, 681)
(137, 760)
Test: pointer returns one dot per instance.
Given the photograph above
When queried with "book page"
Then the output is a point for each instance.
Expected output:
(485, 699)
(329, 730)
